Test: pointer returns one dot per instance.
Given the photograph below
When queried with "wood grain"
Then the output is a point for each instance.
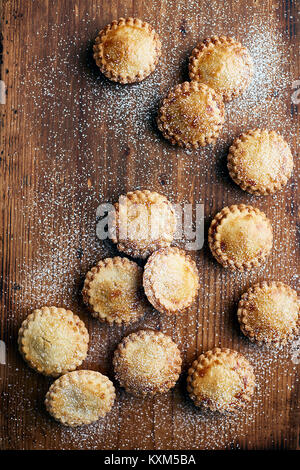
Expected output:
(70, 140)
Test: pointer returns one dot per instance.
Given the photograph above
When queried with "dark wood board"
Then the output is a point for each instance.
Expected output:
(70, 140)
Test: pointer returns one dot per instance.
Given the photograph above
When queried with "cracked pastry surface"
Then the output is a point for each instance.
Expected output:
(127, 50)
(191, 115)
(260, 162)
(113, 290)
(223, 64)
(171, 280)
(222, 380)
(143, 222)
(80, 397)
(240, 237)
(147, 362)
(269, 313)
(53, 341)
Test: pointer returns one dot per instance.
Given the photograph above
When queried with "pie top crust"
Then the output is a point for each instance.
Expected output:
(260, 162)
(222, 380)
(113, 290)
(80, 397)
(143, 222)
(147, 362)
(223, 64)
(240, 237)
(171, 280)
(127, 50)
(53, 341)
(192, 115)
(269, 313)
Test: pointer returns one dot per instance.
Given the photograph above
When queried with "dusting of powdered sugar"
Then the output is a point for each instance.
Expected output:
(93, 113)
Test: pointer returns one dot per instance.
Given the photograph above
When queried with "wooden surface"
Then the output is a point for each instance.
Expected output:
(70, 140)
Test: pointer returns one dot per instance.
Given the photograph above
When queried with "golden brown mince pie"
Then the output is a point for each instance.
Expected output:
(260, 162)
(240, 237)
(269, 313)
(147, 362)
(143, 222)
(113, 290)
(53, 341)
(127, 50)
(192, 115)
(222, 380)
(80, 397)
(223, 64)
(171, 280)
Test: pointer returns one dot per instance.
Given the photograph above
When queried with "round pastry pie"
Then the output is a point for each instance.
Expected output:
(53, 341)
(269, 313)
(171, 280)
(260, 162)
(222, 380)
(147, 362)
(80, 397)
(143, 221)
(127, 50)
(223, 64)
(113, 290)
(192, 115)
(240, 237)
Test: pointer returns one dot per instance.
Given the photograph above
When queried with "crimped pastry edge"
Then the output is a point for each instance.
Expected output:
(107, 70)
(208, 358)
(83, 346)
(263, 190)
(70, 378)
(130, 247)
(214, 41)
(140, 391)
(214, 243)
(243, 311)
(177, 91)
(90, 276)
(148, 285)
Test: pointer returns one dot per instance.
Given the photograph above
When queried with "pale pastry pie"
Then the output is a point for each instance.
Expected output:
(147, 362)
(260, 162)
(171, 280)
(113, 290)
(240, 237)
(223, 64)
(192, 115)
(143, 221)
(80, 397)
(222, 380)
(127, 50)
(269, 313)
(53, 341)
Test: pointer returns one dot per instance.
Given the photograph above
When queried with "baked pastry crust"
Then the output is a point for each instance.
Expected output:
(53, 341)
(80, 397)
(113, 290)
(127, 50)
(171, 280)
(223, 64)
(240, 237)
(269, 313)
(147, 363)
(191, 115)
(260, 162)
(143, 221)
(222, 380)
